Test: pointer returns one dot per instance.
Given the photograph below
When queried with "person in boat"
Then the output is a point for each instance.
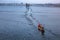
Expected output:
(41, 28)
(27, 6)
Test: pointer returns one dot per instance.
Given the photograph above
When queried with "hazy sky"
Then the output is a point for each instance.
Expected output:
(30, 1)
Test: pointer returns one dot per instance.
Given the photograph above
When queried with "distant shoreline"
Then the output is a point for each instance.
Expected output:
(42, 5)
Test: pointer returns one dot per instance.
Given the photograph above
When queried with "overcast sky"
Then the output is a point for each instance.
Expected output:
(30, 1)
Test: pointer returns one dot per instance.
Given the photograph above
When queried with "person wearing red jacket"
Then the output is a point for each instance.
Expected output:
(41, 28)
